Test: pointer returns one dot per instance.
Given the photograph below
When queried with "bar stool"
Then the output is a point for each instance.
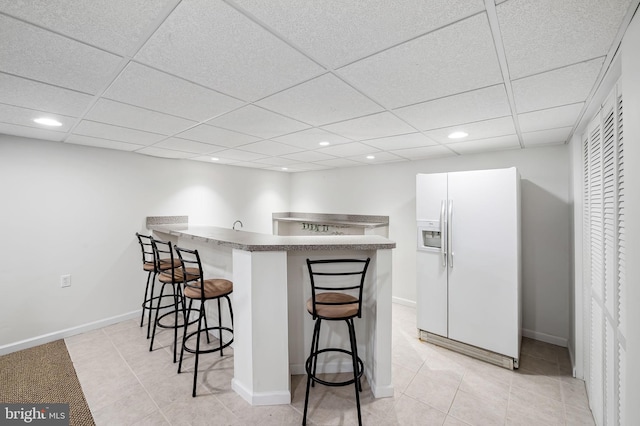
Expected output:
(173, 277)
(149, 266)
(336, 295)
(202, 290)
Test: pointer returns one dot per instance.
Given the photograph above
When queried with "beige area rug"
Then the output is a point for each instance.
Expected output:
(44, 375)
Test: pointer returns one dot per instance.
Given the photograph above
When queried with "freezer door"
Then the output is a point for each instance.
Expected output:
(431, 308)
(483, 300)
(431, 271)
(431, 190)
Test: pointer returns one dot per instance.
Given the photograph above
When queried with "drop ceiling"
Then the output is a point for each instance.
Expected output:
(261, 83)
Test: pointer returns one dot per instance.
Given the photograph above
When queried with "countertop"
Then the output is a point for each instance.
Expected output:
(365, 221)
(253, 241)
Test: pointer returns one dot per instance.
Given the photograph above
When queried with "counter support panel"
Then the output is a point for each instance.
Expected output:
(261, 355)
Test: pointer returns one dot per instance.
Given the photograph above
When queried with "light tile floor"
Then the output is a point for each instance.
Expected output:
(125, 384)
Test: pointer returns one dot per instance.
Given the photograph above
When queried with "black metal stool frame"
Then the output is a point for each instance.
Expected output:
(192, 257)
(174, 278)
(316, 300)
(149, 258)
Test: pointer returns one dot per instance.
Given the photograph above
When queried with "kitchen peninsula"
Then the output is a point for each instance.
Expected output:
(272, 330)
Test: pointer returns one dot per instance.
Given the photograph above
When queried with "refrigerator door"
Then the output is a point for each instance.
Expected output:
(431, 195)
(431, 189)
(483, 294)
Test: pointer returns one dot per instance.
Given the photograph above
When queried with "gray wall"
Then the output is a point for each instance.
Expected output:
(74, 210)
(390, 190)
(631, 99)
(69, 209)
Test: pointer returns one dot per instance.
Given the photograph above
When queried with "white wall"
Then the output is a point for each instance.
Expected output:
(631, 102)
(74, 210)
(390, 190)
(70, 209)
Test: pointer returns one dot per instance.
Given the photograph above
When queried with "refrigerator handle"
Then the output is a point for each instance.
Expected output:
(450, 233)
(443, 234)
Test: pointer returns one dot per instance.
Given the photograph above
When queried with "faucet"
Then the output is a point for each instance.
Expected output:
(234, 224)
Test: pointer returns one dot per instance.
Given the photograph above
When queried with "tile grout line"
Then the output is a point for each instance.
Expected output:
(138, 379)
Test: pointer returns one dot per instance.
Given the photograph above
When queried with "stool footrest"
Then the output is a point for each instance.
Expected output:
(309, 368)
(206, 330)
(180, 324)
(148, 304)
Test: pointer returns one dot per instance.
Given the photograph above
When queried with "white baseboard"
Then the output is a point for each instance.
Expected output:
(56, 335)
(261, 398)
(548, 338)
(405, 302)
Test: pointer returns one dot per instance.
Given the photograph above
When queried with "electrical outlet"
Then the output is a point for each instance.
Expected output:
(65, 280)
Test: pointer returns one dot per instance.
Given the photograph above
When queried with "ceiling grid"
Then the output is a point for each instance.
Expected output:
(262, 84)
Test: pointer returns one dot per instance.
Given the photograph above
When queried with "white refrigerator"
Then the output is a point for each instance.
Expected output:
(468, 262)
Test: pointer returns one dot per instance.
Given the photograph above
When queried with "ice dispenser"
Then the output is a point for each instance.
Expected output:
(429, 235)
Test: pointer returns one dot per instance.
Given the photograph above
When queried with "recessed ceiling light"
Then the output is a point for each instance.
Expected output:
(371, 157)
(284, 168)
(324, 143)
(48, 122)
(214, 159)
(458, 135)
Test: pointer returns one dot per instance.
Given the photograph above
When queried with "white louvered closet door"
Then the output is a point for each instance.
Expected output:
(604, 262)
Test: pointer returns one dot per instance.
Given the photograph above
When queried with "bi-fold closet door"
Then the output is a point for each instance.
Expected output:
(604, 258)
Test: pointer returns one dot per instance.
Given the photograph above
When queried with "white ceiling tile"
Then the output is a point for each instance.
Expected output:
(371, 126)
(120, 114)
(490, 144)
(250, 165)
(31, 132)
(378, 158)
(239, 155)
(102, 143)
(348, 149)
(455, 59)
(337, 32)
(423, 152)
(478, 130)
(547, 34)
(164, 153)
(186, 145)
(558, 87)
(216, 136)
(564, 116)
(209, 42)
(305, 167)
(10, 114)
(258, 122)
(43, 97)
(411, 140)
(282, 169)
(52, 58)
(476, 105)
(546, 137)
(338, 162)
(270, 148)
(210, 159)
(116, 133)
(323, 100)
(311, 138)
(145, 87)
(115, 25)
(309, 156)
(276, 161)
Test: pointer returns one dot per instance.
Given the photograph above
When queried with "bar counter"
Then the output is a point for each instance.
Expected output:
(272, 329)
(253, 241)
